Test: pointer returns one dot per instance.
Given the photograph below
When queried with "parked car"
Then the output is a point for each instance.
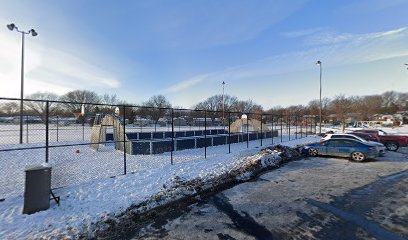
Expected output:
(367, 136)
(380, 147)
(343, 147)
(391, 142)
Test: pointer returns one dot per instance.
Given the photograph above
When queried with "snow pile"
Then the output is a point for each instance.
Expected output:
(103, 206)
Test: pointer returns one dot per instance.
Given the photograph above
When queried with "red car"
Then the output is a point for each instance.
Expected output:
(391, 142)
(367, 136)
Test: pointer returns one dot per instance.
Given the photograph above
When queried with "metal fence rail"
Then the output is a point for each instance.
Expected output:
(60, 133)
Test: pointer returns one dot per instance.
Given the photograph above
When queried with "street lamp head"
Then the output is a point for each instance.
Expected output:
(11, 26)
(33, 32)
(318, 62)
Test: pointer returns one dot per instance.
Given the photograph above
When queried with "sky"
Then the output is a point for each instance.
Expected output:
(263, 50)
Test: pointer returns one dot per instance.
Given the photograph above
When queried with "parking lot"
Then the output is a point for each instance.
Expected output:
(312, 198)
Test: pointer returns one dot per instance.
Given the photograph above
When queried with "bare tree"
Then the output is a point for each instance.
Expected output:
(109, 100)
(80, 96)
(157, 107)
(214, 106)
(341, 106)
(367, 106)
(314, 107)
(39, 107)
(214, 103)
(10, 108)
(248, 106)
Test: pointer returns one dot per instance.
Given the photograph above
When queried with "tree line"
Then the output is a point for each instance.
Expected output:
(339, 107)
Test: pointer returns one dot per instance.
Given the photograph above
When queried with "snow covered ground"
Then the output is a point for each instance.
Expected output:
(99, 199)
(73, 165)
(35, 133)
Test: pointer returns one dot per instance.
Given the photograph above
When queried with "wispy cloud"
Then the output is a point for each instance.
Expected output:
(333, 49)
(301, 33)
(185, 84)
(331, 38)
(356, 7)
(214, 23)
(47, 69)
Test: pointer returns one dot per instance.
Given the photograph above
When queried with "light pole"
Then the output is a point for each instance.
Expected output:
(320, 97)
(223, 103)
(12, 27)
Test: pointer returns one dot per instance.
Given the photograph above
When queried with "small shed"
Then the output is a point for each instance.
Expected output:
(244, 124)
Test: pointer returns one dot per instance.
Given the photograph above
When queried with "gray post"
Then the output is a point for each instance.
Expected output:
(22, 88)
(205, 134)
(272, 129)
(247, 128)
(47, 112)
(172, 136)
(288, 124)
(296, 126)
(261, 129)
(57, 128)
(27, 128)
(281, 125)
(229, 132)
(124, 139)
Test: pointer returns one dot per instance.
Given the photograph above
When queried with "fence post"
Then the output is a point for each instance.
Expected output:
(281, 125)
(229, 132)
(172, 136)
(261, 128)
(47, 113)
(27, 128)
(83, 128)
(272, 129)
(57, 128)
(21, 115)
(301, 127)
(247, 129)
(296, 126)
(124, 139)
(306, 126)
(288, 124)
(205, 133)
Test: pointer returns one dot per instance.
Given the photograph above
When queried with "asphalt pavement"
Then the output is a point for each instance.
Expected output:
(312, 198)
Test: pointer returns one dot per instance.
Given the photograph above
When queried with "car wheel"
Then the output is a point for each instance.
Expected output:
(313, 152)
(391, 146)
(358, 156)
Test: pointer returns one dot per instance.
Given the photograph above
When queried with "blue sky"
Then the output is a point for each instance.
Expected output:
(264, 50)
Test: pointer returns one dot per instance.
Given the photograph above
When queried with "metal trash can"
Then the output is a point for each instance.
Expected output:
(37, 188)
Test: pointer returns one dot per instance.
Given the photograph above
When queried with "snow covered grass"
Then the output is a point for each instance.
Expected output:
(85, 207)
(72, 168)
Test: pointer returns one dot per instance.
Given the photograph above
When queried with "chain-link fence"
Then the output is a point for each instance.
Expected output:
(87, 141)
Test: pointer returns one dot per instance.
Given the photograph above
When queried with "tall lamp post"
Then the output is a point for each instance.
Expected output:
(33, 33)
(223, 103)
(320, 97)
